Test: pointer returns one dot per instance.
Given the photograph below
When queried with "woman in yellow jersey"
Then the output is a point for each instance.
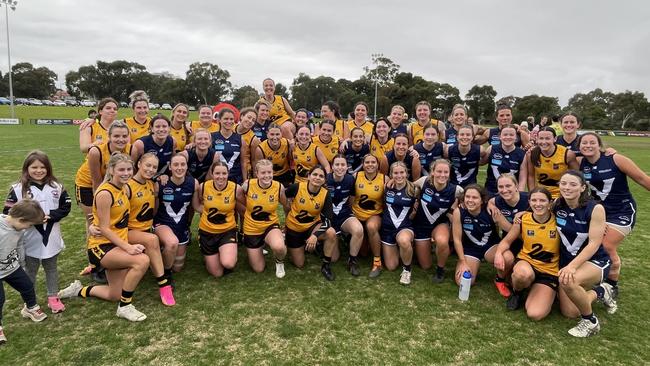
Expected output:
(280, 111)
(91, 173)
(247, 117)
(381, 142)
(307, 155)
(95, 132)
(142, 200)
(360, 119)
(423, 120)
(125, 263)
(330, 110)
(139, 123)
(548, 161)
(205, 121)
(217, 226)
(277, 150)
(261, 225)
(367, 206)
(310, 221)
(178, 132)
(326, 141)
(537, 263)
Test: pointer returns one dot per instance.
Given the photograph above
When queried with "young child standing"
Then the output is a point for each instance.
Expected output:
(43, 242)
(21, 216)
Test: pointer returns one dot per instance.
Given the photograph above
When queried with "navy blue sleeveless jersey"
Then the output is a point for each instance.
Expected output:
(230, 149)
(355, 158)
(573, 145)
(174, 207)
(573, 226)
(408, 161)
(399, 129)
(434, 205)
(199, 168)
(501, 162)
(260, 130)
(464, 168)
(164, 152)
(428, 156)
(340, 192)
(609, 186)
(450, 136)
(479, 232)
(509, 213)
(495, 137)
(398, 205)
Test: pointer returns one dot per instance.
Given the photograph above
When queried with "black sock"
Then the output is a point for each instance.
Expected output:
(162, 280)
(440, 270)
(168, 273)
(327, 260)
(499, 279)
(85, 291)
(407, 267)
(600, 292)
(591, 317)
(127, 297)
(352, 259)
(612, 282)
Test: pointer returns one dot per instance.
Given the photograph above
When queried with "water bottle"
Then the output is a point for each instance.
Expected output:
(465, 284)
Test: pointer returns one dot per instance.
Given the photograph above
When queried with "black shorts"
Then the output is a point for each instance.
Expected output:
(257, 241)
(285, 178)
(95, 255)
(84, 195)
(541, 277)
(294, 239)
(210, 243)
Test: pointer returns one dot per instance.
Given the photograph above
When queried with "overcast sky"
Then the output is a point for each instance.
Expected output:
(554, 48)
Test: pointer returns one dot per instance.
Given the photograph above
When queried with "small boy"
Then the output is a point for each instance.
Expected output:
(21, 216)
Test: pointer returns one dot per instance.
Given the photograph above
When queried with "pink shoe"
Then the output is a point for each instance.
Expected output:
(55, 304)
(167, 296)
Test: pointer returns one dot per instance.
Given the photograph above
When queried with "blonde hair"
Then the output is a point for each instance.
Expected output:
(433, 166)
(262, 163)
(138, 96)
(115, 159)
(411, 189)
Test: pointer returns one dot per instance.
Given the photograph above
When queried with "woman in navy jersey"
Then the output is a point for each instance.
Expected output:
(584, 263)
(507, 204)
(176, 199)
(201, 156)
(504, 157)
(262, 122)
(430, 149)
(230, 147)
(341, 187)
(465, 157)
(158, 142)
(355, 149)
(475, 233)
(411, 159)
(431, 222)
(570, 124)
(396, 119)
(458, 119)
(493, 135)
(607, 178)
(400, 203)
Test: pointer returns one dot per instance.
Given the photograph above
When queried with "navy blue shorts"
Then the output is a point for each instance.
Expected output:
(182, 232)
(425, 232)
(477, 252)
(389, 237)
(339, 220)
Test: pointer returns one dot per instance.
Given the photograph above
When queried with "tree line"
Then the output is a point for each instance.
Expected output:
(207, 83)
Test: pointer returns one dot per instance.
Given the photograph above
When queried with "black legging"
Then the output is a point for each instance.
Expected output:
(19, 280)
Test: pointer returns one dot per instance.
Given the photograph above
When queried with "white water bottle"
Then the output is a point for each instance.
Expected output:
(465, 284)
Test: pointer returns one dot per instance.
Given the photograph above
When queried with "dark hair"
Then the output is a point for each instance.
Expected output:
(600, 140)
(317, 166)
(401, 134)
(357, 129)
(157, 117)
(92, 112)
(367, 156)
(536, 152)
(340, 156)
(481, 191)
(25, 179)
(363, 104)
(374, 127)
(303, 110)
(334, 107)
(27, 210)
(226, 110)
(541, 190)
(216, 164)
(103, 102)
(585, 196)
(571, 113)
(328, 122)
(509, 125)
(501, 107)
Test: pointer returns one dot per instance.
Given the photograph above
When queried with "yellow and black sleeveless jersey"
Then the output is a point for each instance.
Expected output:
(306, 208)
(218, 208)
(214, 127)
(142, 202)
(304, 160)
(367, 127)
(119, 221)
(550, 169)
(279, 157)
(541, 246)
(261, 206)
(247, 137)
(368, 197)
(83, 178)
(417, 131)
(330, 149)
(137, 130)
(277, 114)
(338, 128)
(180, 136)
(379, 150)
(98, 134)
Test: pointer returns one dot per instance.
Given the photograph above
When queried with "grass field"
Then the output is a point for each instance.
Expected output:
(248, 318)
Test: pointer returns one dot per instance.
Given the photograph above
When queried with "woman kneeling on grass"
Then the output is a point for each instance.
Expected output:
(310, 221)
(537, 262)
(125, 263)
(218, 227)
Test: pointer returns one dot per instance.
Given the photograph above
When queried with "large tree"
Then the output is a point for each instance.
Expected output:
(208, 82)
(115, 79)
(480, 100)
(245, 96)
(534, 105)
(30, 82)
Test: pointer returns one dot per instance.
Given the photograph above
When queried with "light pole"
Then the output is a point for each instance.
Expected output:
(10, 4)
(375, 56)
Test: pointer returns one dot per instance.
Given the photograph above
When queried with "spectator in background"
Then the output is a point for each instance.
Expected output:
(555, 124)
(92, 114)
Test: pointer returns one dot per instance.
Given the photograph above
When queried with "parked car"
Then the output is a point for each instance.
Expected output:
(4, 101)
(192, 108)
(166, 106)
(34, 101)
(47, 102)
(88, 103)
(21, 101)
(124, 105)
(59, 103)
(71, 102)
(154, 106)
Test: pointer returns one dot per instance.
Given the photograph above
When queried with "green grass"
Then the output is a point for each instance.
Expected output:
(248, 318)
